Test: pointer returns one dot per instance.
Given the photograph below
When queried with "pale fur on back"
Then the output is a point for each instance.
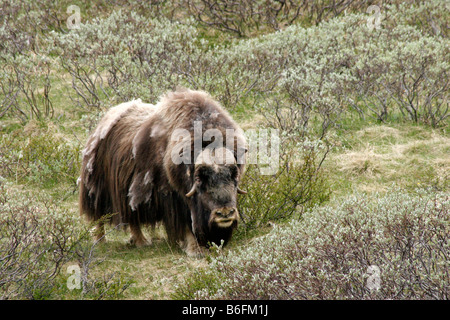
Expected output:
(175, 107)
(142, 111)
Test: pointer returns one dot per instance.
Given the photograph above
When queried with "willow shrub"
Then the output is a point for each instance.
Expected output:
(315, 74)
(25, 68)
(342, 64)
(392, 246)
(306, 78)
(319, 72)
(123, 56)
(39, 155)
(39, 241)
(25, 81)
(36, 240)
(297, 185)
(249, 17)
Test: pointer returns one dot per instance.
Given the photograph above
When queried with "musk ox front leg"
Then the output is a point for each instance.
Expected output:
(191, 246)
(137, 237)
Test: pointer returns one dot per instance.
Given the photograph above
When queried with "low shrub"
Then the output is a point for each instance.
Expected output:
(428, 16)
(314, 73)
(25, 85)
(245, 18)
(297, 185)
(401, 70)
(394, 246)
(39, 155)
(36, 240)
(39, 241)
(122, 57)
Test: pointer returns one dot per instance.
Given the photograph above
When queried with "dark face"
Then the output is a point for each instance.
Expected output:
(218, 193)
(215, 198)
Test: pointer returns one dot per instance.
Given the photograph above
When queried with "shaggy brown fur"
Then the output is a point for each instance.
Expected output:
(127, 169)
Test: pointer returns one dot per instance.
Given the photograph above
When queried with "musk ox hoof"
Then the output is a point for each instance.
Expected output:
(98, 240)
(139, 243)
(197, 252)
(98, 236)
(191, 247)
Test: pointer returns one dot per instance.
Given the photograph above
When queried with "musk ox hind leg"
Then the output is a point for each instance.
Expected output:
(99, 232)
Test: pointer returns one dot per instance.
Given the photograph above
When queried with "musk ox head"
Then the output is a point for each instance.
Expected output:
(213, 196)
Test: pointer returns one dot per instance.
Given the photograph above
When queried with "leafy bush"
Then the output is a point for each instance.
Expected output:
(23, 21)
(38, 240)
(25, 68)
(25, 86)
(124, 56)
(39, 155)
(401, 69)
(24, 72)
(235, 75)
(431, 17)
(245, 18)
(35, 242)
(400, 240)
(308, 77)
(310, 74)
(342, 64)
(297, 185)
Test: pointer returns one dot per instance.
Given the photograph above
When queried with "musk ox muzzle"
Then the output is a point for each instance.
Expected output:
(224, 217)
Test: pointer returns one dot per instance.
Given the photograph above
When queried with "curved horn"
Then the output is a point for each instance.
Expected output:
(240, 191)
(192, 192)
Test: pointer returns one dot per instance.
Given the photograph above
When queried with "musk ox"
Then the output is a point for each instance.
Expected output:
(177, 163)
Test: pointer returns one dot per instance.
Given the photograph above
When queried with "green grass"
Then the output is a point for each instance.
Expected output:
(375, 156)
(154, 269)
